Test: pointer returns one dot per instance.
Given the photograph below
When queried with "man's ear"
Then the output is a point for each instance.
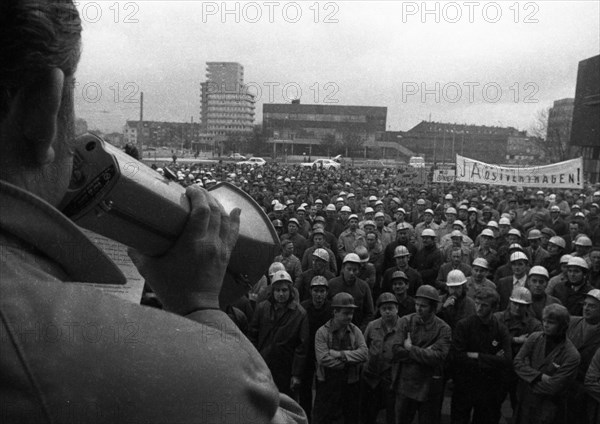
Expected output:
(34, 114)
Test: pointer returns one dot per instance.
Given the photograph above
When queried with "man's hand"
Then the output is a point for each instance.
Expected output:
(449, 302)
(188, 277)
(545, 378)
(408, 342)
(295, 383)
(473, 355)
(521, 339)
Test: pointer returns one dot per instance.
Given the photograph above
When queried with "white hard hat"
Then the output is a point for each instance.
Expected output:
(504, 221)
(557, 240)
(481, 262)
(451, 211)
(346, 209)
(583, 241)
(455, 278)
(352, 258)
(539, 270)
(564, 259)
(521, 295)
(487, 233)
(493, 224)
(428, 232)
(401, 251)
(577, 261)
(281, 276)
(519, 256)
(321, 254)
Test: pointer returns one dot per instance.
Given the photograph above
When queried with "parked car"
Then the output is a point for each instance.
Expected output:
(236, 156)
(324, 163)
(252, 162)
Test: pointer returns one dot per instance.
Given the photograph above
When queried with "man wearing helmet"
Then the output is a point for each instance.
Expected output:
(279, 330)
(519, 263)
(537, 282)
(479, 279)
(320, 259)
(339, 348)
(381, 336)
(349, 282)
(318, 310)
(428, 259)
(426, 343)
(456, 305)
(401, 257)
(573, 292)
(519, 320)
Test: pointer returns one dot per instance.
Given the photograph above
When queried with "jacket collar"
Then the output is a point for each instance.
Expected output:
(34, 222)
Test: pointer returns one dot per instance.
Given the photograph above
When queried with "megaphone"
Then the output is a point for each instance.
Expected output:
(121, 198)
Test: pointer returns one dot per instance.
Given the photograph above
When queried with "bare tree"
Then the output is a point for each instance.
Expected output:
(553, 141)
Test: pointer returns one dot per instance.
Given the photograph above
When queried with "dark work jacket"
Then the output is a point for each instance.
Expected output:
(428, 262)
(414, 280)
(572, 299)
(282, 342)
(473, 335)
(316, 319)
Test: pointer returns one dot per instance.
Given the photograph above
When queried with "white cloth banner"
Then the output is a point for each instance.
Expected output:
(567, 174)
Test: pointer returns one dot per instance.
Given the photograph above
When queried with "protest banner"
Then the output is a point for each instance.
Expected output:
(413, 176)
(444, 176)
(567, 174)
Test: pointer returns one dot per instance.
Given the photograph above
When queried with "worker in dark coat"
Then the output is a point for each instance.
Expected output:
(481, 358)
(428, 259)
(546, 365)
(279, 330)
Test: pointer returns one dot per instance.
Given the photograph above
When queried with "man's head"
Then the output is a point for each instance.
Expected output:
(456, 256)
(388, 306)
(455, 282)
(282, 287)
(399, 283)
(555, 320)
(595, 259)
(538, 280)
(577, 269)
(287, 248)
(428, 237)
(401, 255)
(486, 302)
(293, 226)
(371, 239)
(343, 309)
(318, 290)
(520, 299)
(519, 262)
(318, 236)
(426, 301)
(480, 268)
(350, 267)
(591, 307)
(36, 95)
(320, 259)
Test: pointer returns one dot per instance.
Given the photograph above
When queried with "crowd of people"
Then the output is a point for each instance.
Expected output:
(384, 296)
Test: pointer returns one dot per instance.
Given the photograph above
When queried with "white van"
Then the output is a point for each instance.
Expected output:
(417, 162)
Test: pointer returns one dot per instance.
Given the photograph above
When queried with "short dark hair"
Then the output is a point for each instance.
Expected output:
(488, 293)
(35, 36)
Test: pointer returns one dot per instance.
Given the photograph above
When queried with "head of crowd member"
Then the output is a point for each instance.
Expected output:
(503, 226)
(318, 290)
(547, 234)
(278, 224)
(318, 205)
(455, 282)
(363, 255)
(350, 267)
(282, 292)
(331, 211)
(591, 307)
(278, 210)
(372, 201)
(428, 216)
(353, 222)
(400, 215)
(388, 307)
(371, 240)
(564, 262)
(273, 268)
(513, 236)
(583, 245)
(534, 237)
(537, 281)
(556, 245)
(456, 237)
(427, 299)
(301, 214)
(320, 260)
(318, 237)
(555, 321)
(339, 203)
(577, 270)
(473, 215)
(293, 226)
(573, 230)
(400, 284)
(480, 269)
(463, 213)
(343, 309)
(421, 204)
(519, 263)
(520, 299)
(345, 213)
(486, 238)
(456, 256)
(402, 232)
(554, 212)
(369, 214)
(401, 256)
(595, 259)
(369, 226)
(428, 237)
(287, 248)
(486, 303)
(379, 219)
(378, 207)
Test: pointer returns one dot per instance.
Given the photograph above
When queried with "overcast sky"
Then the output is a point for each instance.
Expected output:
(486, 63)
